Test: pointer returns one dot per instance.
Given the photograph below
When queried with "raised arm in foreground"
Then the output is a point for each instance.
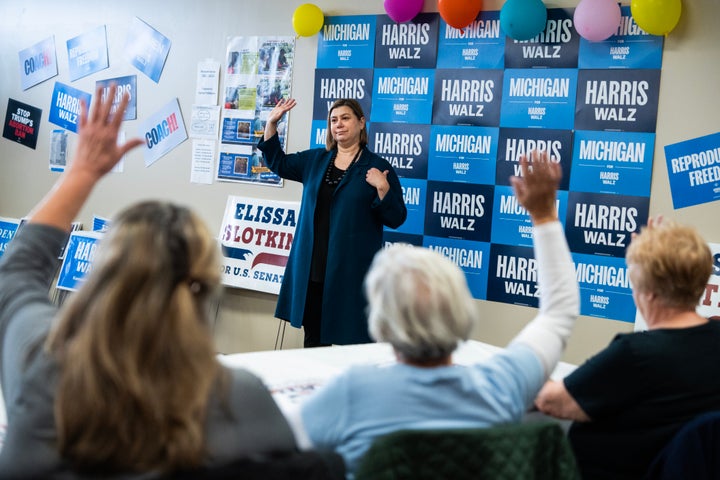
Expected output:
(536, 191)
(97, 153)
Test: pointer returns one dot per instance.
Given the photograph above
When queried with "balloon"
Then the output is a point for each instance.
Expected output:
(523, 19)
(597, 20)
(307, 20)
(403, 10)
(656, 17)
(459, 13)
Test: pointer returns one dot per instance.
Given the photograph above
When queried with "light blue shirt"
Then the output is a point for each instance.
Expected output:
(366, 402)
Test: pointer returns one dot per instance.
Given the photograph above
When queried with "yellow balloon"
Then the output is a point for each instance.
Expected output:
(656, 17)
(307, 20)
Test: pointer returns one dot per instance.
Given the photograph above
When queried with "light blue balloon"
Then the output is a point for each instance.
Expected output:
(523, 19)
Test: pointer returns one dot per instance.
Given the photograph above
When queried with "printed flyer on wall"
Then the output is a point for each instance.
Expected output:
(258, 73)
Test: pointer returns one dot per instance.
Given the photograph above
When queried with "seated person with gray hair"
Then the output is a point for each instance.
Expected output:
(420, 303)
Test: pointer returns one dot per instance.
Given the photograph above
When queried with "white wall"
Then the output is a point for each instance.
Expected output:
(688, 107)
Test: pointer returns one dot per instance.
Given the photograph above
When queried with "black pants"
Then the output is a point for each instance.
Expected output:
(312, 318)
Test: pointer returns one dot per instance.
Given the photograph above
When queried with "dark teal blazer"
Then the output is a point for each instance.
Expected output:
(357, 217)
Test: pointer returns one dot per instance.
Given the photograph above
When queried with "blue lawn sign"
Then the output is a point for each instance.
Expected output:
(694, 170)
(79, 255)
(8, 227)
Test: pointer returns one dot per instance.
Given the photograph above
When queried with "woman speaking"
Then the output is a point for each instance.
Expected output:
(349, 194)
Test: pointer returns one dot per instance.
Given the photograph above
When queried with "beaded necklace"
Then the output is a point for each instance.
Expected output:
(328, 173)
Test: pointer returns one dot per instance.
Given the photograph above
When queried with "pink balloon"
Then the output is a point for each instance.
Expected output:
(597, 20)
(403, 10)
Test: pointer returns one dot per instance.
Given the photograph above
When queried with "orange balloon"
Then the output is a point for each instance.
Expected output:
(459, 13)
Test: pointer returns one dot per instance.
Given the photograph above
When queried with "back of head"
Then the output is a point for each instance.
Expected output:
(136, 358)
(671, 261)
(419, 302)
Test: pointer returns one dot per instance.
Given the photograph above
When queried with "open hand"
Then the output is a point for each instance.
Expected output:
(98, 151)
(282, 107)
(536, 189)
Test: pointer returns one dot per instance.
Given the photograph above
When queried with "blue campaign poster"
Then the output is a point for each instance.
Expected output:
(411, 44)
(471, 257)
(332, 84)
(511, 224)
(87, 53)
(347, 42)
(402, 96)
(492, 99)
(463, 154)
(147, 49)
(539, 98)
(602, 224)
(65, 106)
(467, 97)
(512, 276)
(459, 210)
(414, 192)
(79, 255)
(405, 147)
(604, 287)
(515, 142)
(630, 47)
(127, 84)
(612, 162)
(8, 227)
(479, 45)
(694, 170)
(555, 47)
(617, 100)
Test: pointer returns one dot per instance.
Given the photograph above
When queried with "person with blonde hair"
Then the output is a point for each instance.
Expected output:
(124, 377)
(629, 399)
(420, 303)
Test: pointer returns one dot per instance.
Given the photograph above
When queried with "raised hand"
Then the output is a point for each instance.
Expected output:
(98, 151)
(536, 189)
(280, 109)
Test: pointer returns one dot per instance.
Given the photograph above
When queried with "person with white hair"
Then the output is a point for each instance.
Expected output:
(419, 302)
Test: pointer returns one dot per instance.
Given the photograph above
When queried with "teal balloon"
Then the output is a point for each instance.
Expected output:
(523, 19)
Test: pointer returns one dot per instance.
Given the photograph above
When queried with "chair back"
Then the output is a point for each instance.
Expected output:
(305, 465)
(528, 451)
(693, 452)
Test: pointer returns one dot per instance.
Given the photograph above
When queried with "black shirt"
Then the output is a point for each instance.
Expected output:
(322, 224)
(638, 392)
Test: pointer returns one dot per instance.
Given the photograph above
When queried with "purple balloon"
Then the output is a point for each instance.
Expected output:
(403, 10)
(597, 20)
